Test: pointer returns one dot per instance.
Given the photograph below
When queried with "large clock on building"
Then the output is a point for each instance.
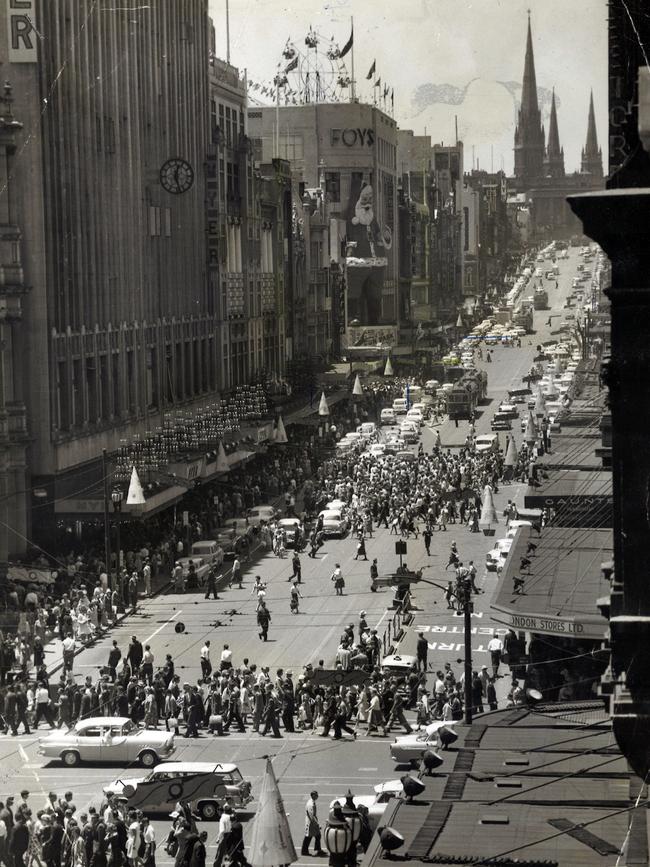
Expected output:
(177, 175)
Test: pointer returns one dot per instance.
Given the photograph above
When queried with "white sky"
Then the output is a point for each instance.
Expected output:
(419, 43)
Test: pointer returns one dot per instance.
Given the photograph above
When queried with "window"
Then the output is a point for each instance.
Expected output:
(213, 118)
(466, 225)
(222, 122)
(228, 129)
(291, 147)
(154, 221)
(333, 186)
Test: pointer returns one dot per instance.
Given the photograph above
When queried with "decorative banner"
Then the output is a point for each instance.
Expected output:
(135, 496)
(222, 461)
(488, 512)
(280, 432)
(270, 842)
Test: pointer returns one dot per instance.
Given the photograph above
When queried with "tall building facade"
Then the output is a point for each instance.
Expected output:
(343, 159)
(247, 229)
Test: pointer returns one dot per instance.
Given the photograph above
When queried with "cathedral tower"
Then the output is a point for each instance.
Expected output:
(529, 133)
(592, 155)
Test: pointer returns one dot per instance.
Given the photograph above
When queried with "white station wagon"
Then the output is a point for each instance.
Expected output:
(107, 739)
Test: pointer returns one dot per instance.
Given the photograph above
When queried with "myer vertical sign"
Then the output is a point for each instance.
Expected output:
(21, 32)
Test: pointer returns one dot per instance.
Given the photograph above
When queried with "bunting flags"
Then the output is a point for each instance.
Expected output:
(371, 71)
(348, 45)
(378, 82)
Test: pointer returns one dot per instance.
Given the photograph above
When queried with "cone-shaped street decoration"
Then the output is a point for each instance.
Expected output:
(357, 390)
(558, 367)
(459, 321)
(222, 461)
(388, 370)
(280, 432)
(270, 841)
(540, 404)
(323, 408)
(511, 454)
(488, 512)
(135, 496)
(530, 436)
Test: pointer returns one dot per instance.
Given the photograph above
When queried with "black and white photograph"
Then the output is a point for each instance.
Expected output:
(324, 419)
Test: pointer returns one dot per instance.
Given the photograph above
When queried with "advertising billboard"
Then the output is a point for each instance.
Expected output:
(369, 237)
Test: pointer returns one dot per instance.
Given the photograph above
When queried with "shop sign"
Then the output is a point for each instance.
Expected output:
(352, 137)
(590, 628)
(21, 31)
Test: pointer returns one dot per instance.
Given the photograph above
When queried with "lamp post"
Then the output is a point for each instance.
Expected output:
(352, 817)
(116, 499)
(337, 837)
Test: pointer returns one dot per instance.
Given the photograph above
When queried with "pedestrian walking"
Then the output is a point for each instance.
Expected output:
(294, 598)
(297, 568)
(211, 588)
(427, 535)
(422, 651)
(374, 574)
(206, 665)
(263, 620)
(361, 549)
(338, 580)
(236, 574)
(453, 557)
(312, 826)
(495, 647)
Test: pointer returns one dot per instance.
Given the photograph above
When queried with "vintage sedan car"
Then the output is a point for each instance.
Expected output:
(107, 739)
(334, 523)
(375, 804)
(496, 558)
(206, 786)
(410, 748)
(260, 514)
(293, 528)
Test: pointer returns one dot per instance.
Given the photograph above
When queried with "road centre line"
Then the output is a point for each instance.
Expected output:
(160, 628)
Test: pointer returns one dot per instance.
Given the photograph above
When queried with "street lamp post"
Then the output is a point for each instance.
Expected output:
(338, 838)
(352, 817)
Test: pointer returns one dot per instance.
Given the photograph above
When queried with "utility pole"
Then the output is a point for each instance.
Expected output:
(107, 525)
(468, 606)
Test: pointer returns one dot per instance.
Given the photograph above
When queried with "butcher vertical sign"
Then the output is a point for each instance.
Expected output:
(21, 32)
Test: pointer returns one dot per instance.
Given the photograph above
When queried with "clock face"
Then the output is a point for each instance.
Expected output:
(177, 176)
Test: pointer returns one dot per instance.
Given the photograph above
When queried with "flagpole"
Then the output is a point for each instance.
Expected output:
(352, 59)
(228, 32)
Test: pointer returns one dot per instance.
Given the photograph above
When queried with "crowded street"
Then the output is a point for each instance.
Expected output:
(195, 632)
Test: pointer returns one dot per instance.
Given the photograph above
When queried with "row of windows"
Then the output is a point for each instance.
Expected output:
(229, 120)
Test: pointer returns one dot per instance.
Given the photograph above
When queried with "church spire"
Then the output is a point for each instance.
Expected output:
(592, 155)
(529, 134)
(554, 160)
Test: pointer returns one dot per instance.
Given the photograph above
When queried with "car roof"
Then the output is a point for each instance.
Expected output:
(327, 512)
(196, 767)
(92, 721)
(289, 521)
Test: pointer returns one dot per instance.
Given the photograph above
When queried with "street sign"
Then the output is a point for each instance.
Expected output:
(400, 547)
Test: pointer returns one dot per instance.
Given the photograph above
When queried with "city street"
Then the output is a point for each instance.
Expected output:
(303, 760)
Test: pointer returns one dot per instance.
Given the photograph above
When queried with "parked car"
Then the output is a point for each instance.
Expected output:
(233, 541)
(496, 558)
(486, 442)
(293, 529)
(334, 524)
(410, 748)
(261, 514)
(205, 786)
(204, 555)
(375, 804)
(107, 739)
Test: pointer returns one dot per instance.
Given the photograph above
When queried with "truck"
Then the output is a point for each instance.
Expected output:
(540, 299)
(466, 395)
(523, 316)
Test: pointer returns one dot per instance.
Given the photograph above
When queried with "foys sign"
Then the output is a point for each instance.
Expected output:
(352, 138)
(21, 31)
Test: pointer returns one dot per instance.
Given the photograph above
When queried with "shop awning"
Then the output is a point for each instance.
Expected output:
(561, 585)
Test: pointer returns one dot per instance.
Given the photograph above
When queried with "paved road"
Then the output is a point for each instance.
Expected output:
(303, 760)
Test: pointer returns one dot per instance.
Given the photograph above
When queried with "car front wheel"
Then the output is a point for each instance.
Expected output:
(209, 811)
(70, 758)
(148, 759)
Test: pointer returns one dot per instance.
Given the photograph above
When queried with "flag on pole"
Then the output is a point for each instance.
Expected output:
(386, 89)
(348, 45)
(378, 82)
(270, 842)
(291, 66)
(135, 496)
(371, 71)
